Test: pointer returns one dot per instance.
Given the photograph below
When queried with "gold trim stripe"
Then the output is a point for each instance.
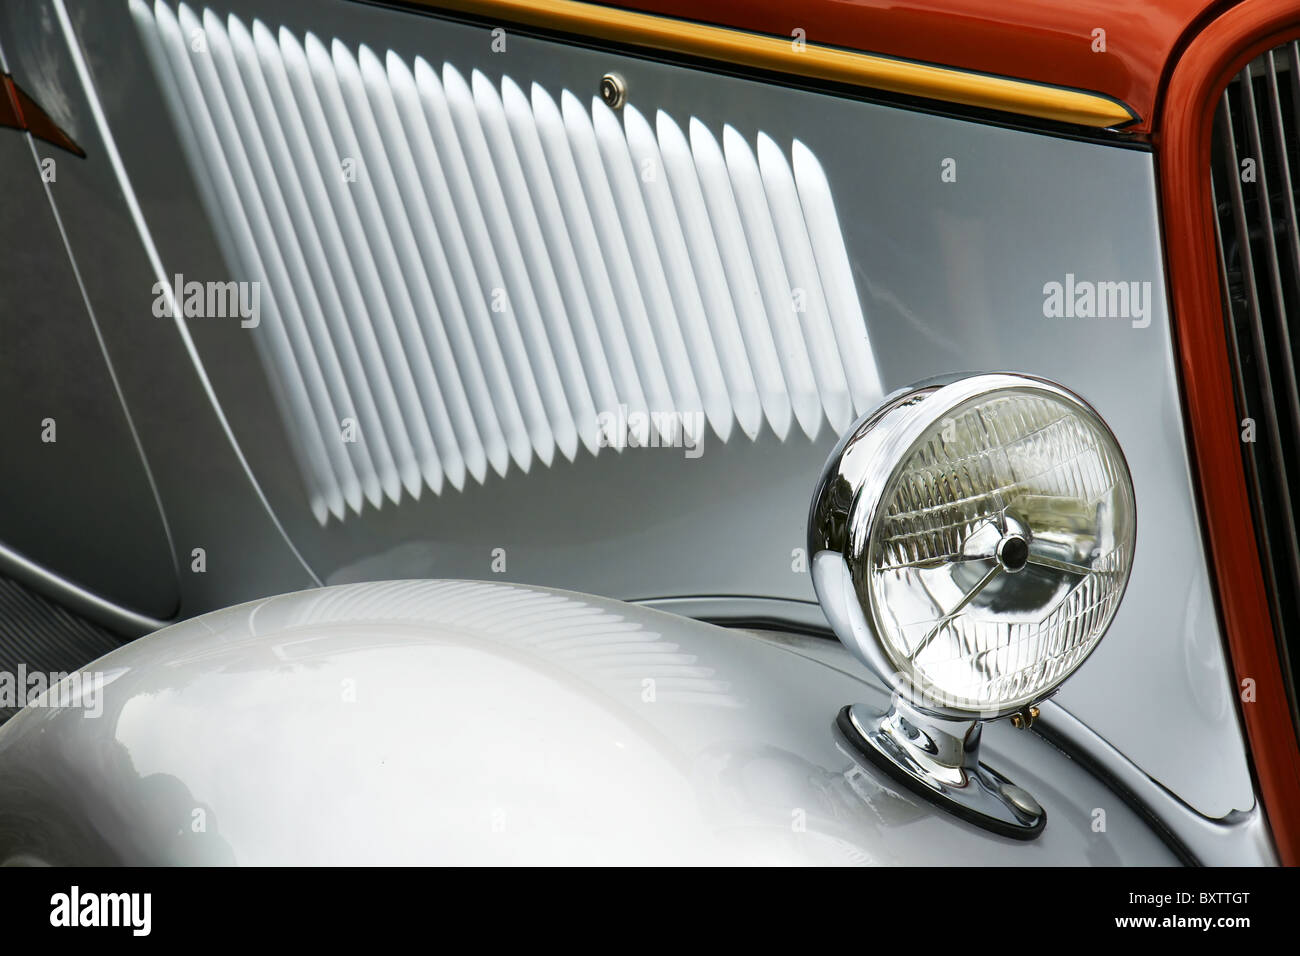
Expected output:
(778, 55)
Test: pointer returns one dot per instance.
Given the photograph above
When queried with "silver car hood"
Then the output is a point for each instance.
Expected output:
(462, 722)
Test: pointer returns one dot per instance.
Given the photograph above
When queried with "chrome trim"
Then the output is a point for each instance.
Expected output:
(74, 597)
(846, 506)
(939, 760)
(929, 745)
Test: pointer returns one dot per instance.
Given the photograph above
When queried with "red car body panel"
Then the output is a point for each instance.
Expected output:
(1210, 61)
(1043, 40)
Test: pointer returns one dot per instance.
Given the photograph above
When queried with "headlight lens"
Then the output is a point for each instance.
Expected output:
(1001, 548)
(971, 542)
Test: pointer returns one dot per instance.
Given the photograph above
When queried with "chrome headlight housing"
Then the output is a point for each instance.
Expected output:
(971, 542)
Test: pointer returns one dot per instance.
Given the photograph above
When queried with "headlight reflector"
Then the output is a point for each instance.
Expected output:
(1001, 548)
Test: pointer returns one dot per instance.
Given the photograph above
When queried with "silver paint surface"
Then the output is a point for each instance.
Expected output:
(463, 722)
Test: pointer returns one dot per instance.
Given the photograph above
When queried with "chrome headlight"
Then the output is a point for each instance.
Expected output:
(971, 542)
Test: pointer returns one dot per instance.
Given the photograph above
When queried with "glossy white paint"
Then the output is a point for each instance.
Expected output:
(464, 722)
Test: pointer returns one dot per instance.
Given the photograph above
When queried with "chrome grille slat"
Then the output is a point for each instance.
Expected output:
(1257, 229)
(1250, 114)
(1275, 423)
(1255, 311)
(504, 266)
(1283, 166)
(1283, 162)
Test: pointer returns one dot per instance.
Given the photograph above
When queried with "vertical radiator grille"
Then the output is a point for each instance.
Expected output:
(505, 269)
(1255, 175)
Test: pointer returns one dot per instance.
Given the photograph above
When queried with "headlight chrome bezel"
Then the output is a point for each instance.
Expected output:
(851, 497)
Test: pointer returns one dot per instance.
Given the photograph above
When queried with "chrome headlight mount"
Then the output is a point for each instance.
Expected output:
(970, 543)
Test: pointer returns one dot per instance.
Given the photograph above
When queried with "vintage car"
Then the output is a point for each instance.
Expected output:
(550, 431)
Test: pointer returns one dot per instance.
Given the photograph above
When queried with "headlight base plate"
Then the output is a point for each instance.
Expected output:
(939, 761)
